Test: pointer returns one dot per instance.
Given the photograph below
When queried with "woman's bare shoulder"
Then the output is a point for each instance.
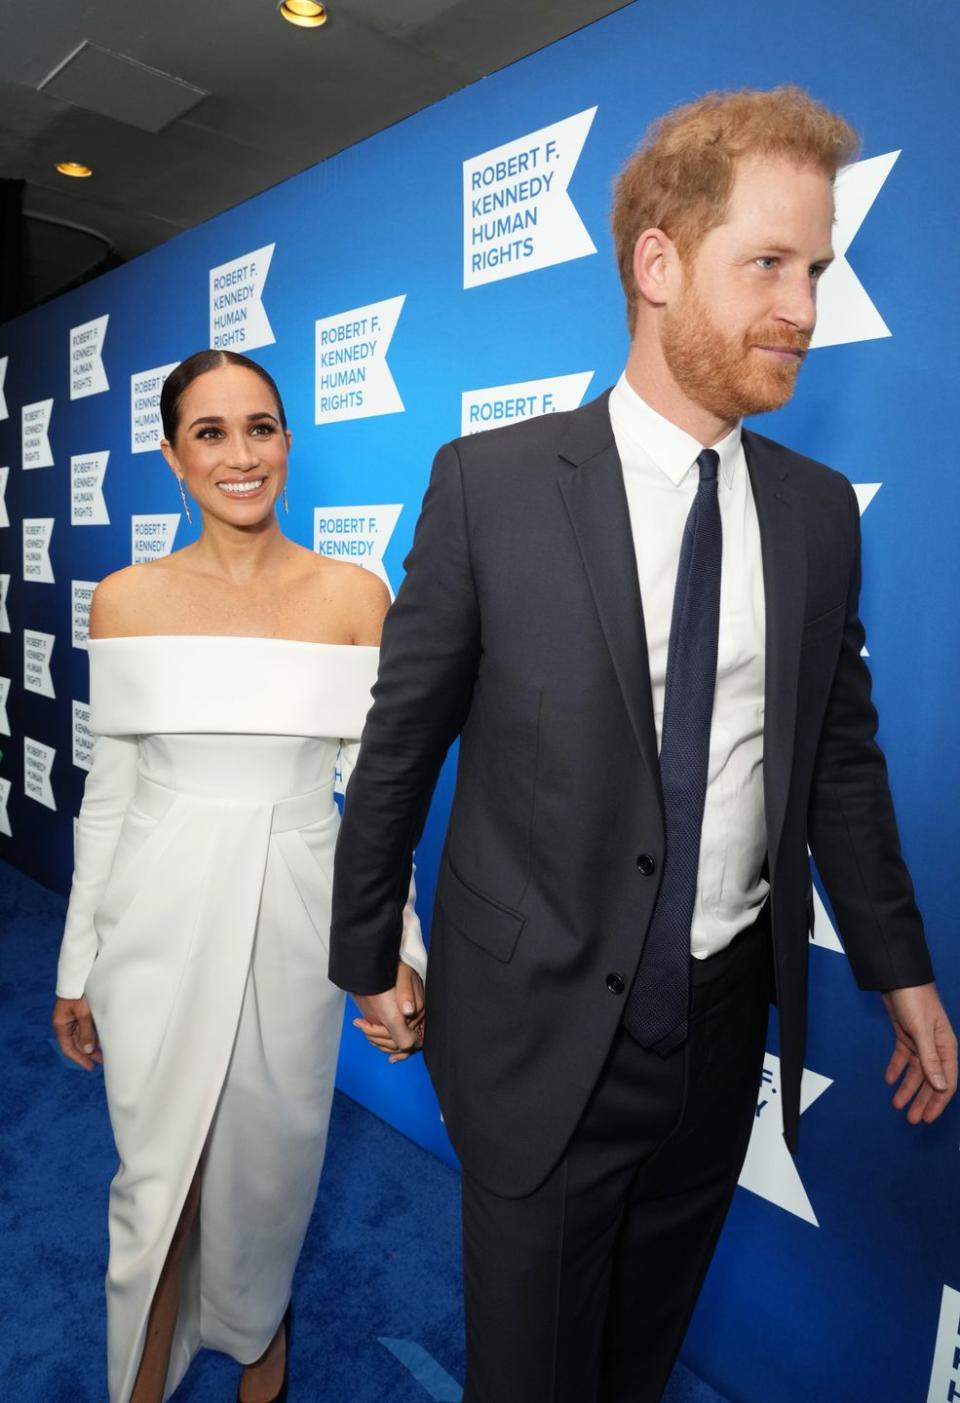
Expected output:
(356, 598)
(129, 601)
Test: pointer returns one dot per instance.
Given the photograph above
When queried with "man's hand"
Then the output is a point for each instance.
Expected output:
(925, 1048)
(76, 1033)
(393, 1020)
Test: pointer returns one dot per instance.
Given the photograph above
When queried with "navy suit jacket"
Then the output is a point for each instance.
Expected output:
(519, 628)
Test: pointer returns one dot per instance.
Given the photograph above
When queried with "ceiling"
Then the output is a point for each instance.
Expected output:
(184, 108)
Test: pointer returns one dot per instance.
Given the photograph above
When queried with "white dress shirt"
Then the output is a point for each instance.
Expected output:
(661, 477)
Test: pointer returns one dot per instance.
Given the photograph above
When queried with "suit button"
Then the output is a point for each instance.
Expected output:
(647, 864)
(615, 983)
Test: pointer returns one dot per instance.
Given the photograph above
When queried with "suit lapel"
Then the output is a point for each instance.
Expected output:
(783, 549)
(596, 501)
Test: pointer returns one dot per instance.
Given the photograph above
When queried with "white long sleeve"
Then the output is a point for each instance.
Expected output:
(413, 952)
(106, 798)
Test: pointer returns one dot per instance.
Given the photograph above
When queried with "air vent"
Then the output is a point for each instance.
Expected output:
(121, 88)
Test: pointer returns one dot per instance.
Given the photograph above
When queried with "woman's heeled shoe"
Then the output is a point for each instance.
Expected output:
(287, 1323)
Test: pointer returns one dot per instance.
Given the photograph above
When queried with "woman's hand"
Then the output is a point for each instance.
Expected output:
(408, 997)
(76, 1032)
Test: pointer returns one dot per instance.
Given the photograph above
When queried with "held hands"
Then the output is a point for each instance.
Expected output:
(76, 1033)
(925, 1048)
(393, 1020)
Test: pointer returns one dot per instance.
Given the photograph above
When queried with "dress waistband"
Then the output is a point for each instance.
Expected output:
(297, 811)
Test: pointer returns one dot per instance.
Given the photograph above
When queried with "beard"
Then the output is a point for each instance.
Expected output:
(724, 374)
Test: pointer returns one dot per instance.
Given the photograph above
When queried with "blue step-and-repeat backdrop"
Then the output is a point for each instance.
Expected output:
(456, 272)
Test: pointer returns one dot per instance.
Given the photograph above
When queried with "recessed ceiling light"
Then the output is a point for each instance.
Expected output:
(74, 168)
(306, 13)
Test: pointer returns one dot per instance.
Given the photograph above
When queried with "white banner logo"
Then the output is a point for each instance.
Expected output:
(152, 536)
(769, 1169)
(5, 828)
(81, 598)
(83, 737)
(146, 430)
(824, 932)
(945, 1373)
(502, 404)
(87, 373)
(37, 652)
(844, 310)
(34, 423)
(517, 215)
(357, 534)
(238, 318)
(4, 411)
(37, 532)
(87, 505)
(866, 491)
(4, 718)
(353, 379)
(4, 478)
(4, 616)
(37, 764)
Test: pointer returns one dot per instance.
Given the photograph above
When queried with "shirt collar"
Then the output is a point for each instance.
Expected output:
(669, 447)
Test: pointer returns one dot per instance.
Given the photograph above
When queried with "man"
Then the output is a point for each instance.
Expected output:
(642, 622)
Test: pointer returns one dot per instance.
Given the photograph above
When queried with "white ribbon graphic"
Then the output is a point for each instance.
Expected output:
(353, 380)
(504, 404)
(34, 423)
(81, 597)
(146, 430)
(37, 652)
(152, 536)
(517, 215)
(87, 504)
(37, 532)
(82, 736)
(769, 1169)
(238, 318)
(844, 309)
(357, 534)
(37, 764)
(87, 373)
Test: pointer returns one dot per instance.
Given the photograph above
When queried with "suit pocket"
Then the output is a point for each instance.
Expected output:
(496, 929)
(823, 625)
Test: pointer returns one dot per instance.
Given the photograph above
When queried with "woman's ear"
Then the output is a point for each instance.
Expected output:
(173, 463)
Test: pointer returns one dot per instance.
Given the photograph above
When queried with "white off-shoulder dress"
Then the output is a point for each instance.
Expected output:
(198, 930)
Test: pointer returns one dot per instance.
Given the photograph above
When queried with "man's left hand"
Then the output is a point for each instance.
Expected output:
(925, 1048)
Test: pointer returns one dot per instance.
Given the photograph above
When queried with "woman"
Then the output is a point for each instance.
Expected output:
(223, 679)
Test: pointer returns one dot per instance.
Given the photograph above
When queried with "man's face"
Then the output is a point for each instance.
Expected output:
(735, 336)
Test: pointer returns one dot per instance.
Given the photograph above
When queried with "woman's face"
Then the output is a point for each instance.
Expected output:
(230, 449)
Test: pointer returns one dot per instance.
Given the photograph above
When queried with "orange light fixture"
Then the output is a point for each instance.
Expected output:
(74, 169)
(308, 14)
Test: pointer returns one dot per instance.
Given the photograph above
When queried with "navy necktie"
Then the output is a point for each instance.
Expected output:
(658, 1006)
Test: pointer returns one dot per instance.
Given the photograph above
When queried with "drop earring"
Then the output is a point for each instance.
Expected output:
(186, 504)
(286, 504)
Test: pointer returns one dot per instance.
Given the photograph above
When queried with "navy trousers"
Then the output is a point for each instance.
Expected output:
(582, 1291)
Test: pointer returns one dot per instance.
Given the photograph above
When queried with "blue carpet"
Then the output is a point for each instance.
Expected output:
(379, 1318)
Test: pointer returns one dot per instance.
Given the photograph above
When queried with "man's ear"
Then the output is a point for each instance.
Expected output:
(655, 262)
